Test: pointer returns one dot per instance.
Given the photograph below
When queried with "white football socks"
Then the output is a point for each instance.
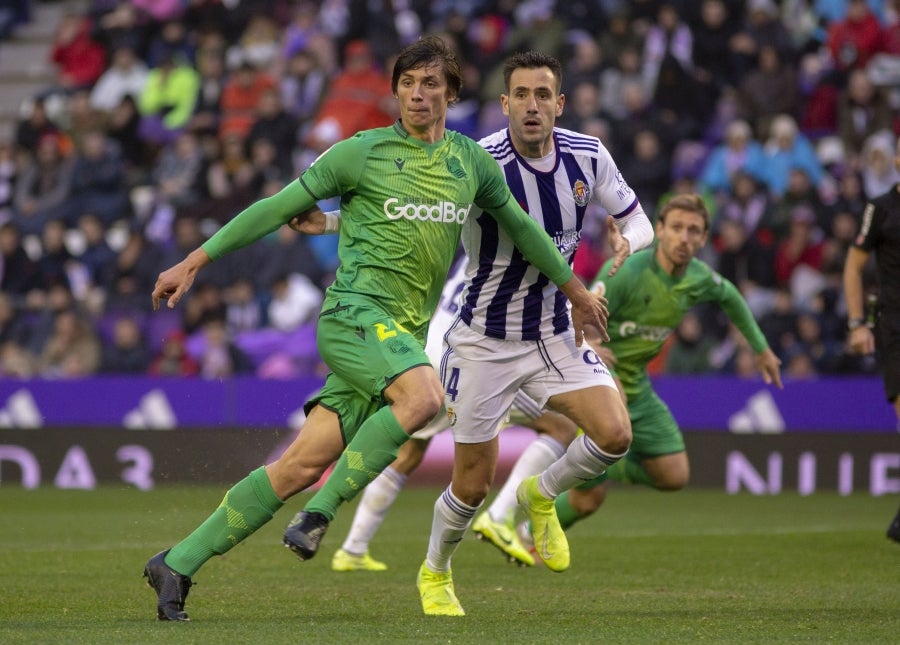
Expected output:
(539, 454)
(448, 526)
(373, 507)
(582, 462)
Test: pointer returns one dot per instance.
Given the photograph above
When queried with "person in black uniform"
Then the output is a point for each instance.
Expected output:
(879, 232)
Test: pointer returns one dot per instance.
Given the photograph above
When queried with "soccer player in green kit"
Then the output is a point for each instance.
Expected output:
(648, 297)
(406, 191)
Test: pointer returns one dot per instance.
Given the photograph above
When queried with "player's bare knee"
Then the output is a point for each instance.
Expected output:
(671, 482)
(615, 438)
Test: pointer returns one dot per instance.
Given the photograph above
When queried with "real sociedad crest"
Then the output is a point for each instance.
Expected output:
(581, 193)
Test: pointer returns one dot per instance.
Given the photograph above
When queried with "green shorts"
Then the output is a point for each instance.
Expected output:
(365, 350)
(654, 432)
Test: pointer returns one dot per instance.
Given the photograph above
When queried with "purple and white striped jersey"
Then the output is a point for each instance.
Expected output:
(506, 297)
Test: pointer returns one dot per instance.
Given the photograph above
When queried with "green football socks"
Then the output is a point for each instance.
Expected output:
(630, 471)
(246, 506)
(565, 511)
(372, 450)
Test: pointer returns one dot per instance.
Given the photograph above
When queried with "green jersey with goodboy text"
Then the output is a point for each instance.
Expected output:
(403, 205)
(646, 304)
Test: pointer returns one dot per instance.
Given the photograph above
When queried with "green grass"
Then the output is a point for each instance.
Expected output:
(649, 568)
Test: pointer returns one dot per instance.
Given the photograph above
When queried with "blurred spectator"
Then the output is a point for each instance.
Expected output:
(98, 180)
(302, 86)
(53, 264)
(122, 127)
(44, 187)
(769, 89)
(304, 25)
(803, 245)
(18, 272)
(681, 103)
(761, 27)
(126, 352)
(626, 71)
(177, 180)
(96, 255)
(295, 300)
(739, 152)
(126, 76)
(779, 325)
(358, 98)
(668, 36)
(12, 324)
(863, 110)
(173, 359)
(243, 309)
(12, 14)
(31, 129)
(798, 365)
(879, 172)
(81, 117)
(241, 97)
(171, 41)
(747, 204)
(72, 350)
(585, 62)
(211, 84)
(9, 172)
(800, 192)
(259, 45)
(278, 127)
(647, 169)
(749, 263)
(854, 39)
(118, 24)
(205, 304)
(787, 148)
(168, 99)
(133, 274)
(689, 353)
(220, 357)
(711, 53)
(80, 60)
(160, 10)
(286, 252)
(582, 105)
(618, 36)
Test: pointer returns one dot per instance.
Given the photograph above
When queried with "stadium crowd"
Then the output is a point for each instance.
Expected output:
(168, 117)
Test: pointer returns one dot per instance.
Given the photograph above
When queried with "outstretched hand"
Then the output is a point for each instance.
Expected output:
(769, 366)
(621, 247)
(173, 283)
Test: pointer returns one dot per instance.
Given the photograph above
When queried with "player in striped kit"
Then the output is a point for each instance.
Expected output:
(513, 331)
(556, 431)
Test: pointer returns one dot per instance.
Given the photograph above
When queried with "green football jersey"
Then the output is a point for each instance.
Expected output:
(646, 304)
(403, 205)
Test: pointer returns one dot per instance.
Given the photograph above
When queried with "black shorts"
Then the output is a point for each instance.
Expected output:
(888, 338)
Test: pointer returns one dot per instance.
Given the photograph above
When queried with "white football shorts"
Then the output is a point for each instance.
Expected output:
(481, 376)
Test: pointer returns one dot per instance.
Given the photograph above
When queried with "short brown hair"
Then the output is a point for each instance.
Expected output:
(532, 60)
(688, 202)
(430, 50)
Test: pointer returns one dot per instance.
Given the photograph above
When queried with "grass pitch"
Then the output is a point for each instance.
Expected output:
(649, 568)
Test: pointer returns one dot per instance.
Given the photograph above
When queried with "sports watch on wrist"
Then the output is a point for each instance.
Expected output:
(855, 323)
